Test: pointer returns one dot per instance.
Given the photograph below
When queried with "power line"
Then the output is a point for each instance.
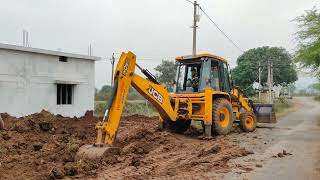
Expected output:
(189, 1)
(216, 25)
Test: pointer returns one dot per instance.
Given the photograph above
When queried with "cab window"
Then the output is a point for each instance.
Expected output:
(225, 79)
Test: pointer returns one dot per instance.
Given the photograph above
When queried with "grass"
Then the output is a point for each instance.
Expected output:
(141, 107)
(283, 107)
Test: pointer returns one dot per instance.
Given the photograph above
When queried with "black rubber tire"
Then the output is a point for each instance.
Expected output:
(182, 126)
(217, 127)
(246, 126)
(168, 124)
(1, 123)
(179, 126)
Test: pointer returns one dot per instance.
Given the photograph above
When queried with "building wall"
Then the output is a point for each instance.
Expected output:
(28, 83)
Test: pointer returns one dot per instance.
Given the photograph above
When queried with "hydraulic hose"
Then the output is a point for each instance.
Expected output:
(113, 95)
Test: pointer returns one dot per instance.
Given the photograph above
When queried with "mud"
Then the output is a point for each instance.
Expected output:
(43, 146)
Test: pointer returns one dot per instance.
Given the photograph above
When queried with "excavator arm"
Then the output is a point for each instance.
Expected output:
(263, 112)
(238, 95)
(150, 89)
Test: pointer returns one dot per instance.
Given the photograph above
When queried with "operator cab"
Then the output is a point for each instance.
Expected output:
(195, 73)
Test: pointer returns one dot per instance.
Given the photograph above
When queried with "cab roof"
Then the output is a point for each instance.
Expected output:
(198, 56)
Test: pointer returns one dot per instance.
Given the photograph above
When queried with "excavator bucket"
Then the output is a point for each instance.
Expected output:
(94, 152)
(265, 113)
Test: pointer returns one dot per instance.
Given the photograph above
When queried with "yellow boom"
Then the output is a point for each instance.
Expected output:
(124, 77)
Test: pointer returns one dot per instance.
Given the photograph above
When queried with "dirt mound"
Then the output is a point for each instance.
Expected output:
(43, 146)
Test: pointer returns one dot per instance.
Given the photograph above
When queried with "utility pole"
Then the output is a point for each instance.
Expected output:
(259, 82)
(269, 82)
(112, 60)
(195, 20)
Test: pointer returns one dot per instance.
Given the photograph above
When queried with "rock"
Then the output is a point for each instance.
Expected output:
(207, 138)
(280, 155)
(214, 150)
(56, 173)
(37, 147)
(135, 162)
(250, 152)
(274, 156)
(6, 136)
(45, 126)
(284, 152)
(258, 165)
(70, 170)
(140, 151)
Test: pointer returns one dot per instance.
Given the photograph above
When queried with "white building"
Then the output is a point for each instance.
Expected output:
(33, 79)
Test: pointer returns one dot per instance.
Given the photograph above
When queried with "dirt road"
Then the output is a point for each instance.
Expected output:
(298, 134)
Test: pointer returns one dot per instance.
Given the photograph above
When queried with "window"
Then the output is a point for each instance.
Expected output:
(64, 94)
(225, 79)
(215, 79)
(63, 59)
(184, 79)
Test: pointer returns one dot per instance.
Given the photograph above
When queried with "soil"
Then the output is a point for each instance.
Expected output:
(43, 146)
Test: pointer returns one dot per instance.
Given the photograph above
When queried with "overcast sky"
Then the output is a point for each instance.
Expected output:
(152, 29)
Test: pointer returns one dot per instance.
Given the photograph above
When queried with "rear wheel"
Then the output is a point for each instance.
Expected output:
(182, 125)
(222, 116)
(248, 122)
(179, 126)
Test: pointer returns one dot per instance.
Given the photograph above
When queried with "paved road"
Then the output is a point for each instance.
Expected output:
(297, 133)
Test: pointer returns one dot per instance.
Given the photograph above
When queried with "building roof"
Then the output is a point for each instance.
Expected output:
(48, 52)
(189, 57)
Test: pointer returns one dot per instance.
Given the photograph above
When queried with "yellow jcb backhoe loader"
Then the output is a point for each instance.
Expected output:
(203, 91)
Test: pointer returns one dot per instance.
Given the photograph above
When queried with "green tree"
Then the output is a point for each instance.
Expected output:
(166, 72)
(315, 86)
(308, 50)
(246, 71)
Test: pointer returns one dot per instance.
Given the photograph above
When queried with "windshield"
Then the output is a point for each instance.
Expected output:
(188, 76)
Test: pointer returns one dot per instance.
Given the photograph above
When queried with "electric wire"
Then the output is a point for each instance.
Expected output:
(222, 32)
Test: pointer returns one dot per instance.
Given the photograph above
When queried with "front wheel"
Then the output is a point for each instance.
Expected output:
(222, 116)
(248, 122)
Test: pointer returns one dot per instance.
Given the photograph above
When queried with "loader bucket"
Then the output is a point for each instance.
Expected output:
(264, 113)
(94, 152)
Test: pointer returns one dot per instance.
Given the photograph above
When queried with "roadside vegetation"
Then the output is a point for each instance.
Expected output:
(282, 106)
(308, 49)
(246, 72)
(141, 107)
